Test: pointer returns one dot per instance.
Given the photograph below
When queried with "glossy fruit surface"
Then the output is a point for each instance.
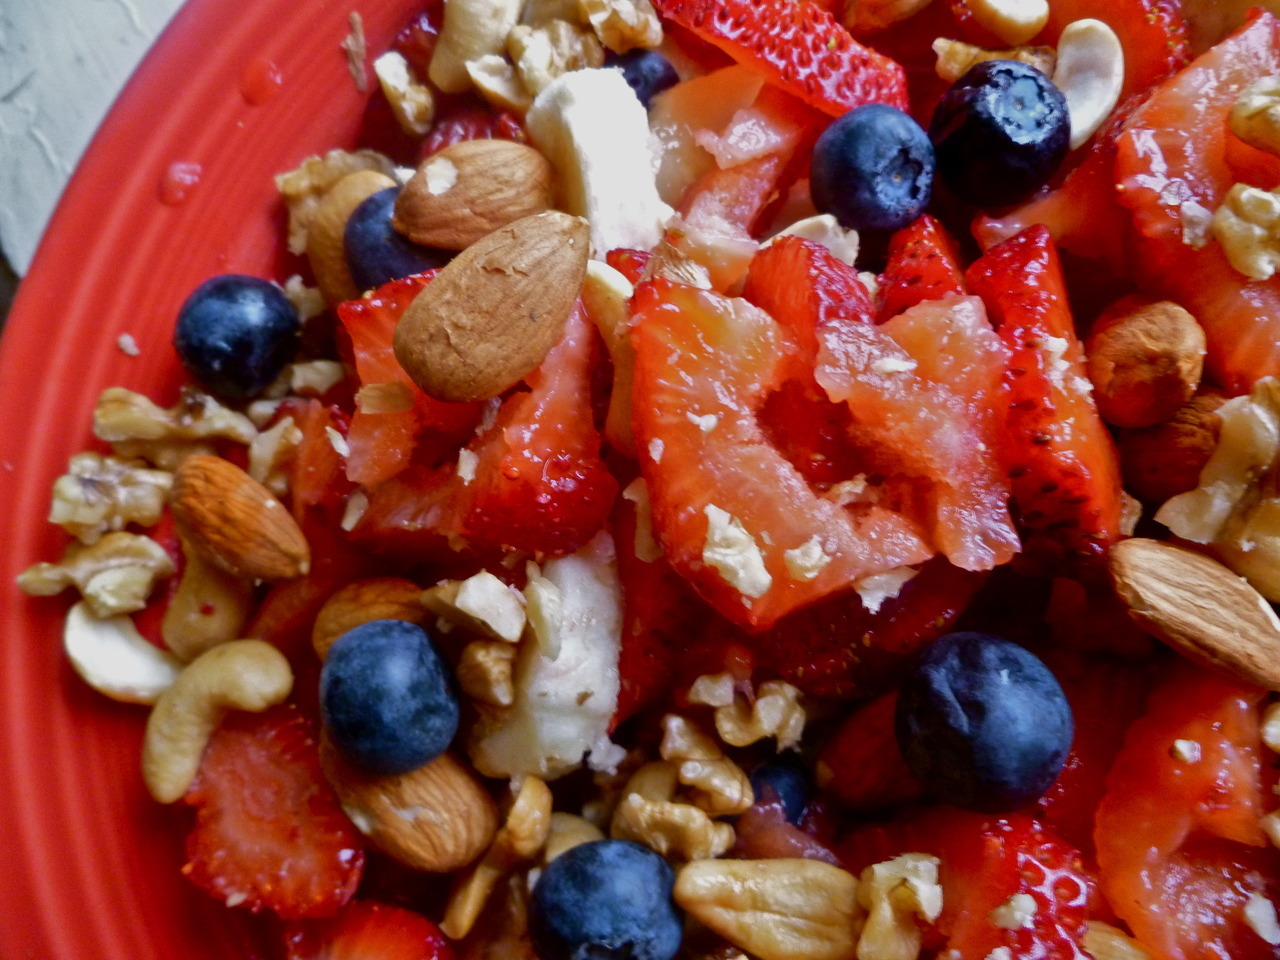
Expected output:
(1000, 133)
(387, 697)
(923, 264)
(872, 169)
(647, 72)
(365, 930)
(784, 782)
(235, 333)
(605, 900)
(376, 252)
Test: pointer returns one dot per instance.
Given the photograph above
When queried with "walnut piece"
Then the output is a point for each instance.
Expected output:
(303, 187)
(486, 672)
(137, 427)
(567, 830)
(895, 893)
(774, 712)
(482, 604)
(956, 58)
(115, 574)
(623, 25)
(716, 784)
(271, 452)
(1247, 227)
(411, 100)
(1255, 116)
(673, 829)
(99, 494)
(541, 54)
(866, 16)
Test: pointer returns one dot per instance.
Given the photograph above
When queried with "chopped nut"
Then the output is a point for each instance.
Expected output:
(623, 25)
(482, 603)
(956, 58)
(1162, 461)
(541, 54)
(1247, 226)
(136, 427)
(1270, 824)
(302, 188)
(679, 830)
(502, 930)
(867, 16)
(1016, 913)
(314, 378)
(1255, 117)
(495, 78)
(1260, 916)
(1187, 751)
(307, 301)
(471, 29)
(356, 49)
(98, 494)
(1105, 942)
(486, 672)
(115, 574)
(783, 909)
(1013, 21)
(895, 893)
(566, 832)
(412, 102)
(270, 453)
(713, 690)
(732, 551)
(394, 397)
(716, 784)
(824, 229)
(655, 780)
(538, 12)
(775, 712)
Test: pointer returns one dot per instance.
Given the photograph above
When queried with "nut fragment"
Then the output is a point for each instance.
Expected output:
(678, 830)
(623, 25)
(1247, 227)
(1013, 21)
(303, 187)
(469, 189)
(325, 243)
(716, 784)
(775, 711)
(377, 598)
(1105, 942)
(486, 672)
(471, 29)
(784, 909)
(566, 831)
(490, 316)
(541, 54)
(1144, 358)
(235, 522)
(1199, 607)
(1165, 460)
(241, 675)
(115, 574)
(955, 58)
(1255, 116)
(271, 452)
(496, 80)
(1090, 74)
(113, 658)
(411, 100)
(136, 427)
(896, 893)
(98, 494)
(481, 603)
(606, 296)
(867, 16)
(436, 818)
(210, 606)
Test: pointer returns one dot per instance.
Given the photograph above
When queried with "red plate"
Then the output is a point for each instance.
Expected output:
(89, 865)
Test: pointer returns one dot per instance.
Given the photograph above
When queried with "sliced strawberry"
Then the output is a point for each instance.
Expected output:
(629, 263)
(1175, 161)
(1066, 478)
(269, 832)
(1179, 845)
(467, 118)
(1152, 33)
(862, 765)
(316, 473)
(797, 46)
(924, 264)
(367, 931)
(984, 862)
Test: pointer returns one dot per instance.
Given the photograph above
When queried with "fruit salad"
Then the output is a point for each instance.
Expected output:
(782, 479)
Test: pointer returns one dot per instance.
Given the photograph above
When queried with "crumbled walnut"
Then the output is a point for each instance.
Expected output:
(502, 930)
(713, 690)
(716, 784)
(137, 427)
(115, 574)
(486, 672)
(541, 54)
(314, 378)
(394, 397)
(307, 301)
(98, 494)
(1247, 226)
(566, 832)
(775, 712)
(482, 603)
(495, 79)
(411, 100)
(956, 58)
(1255, 116)
(302, 188)
(271, 452)
(623, 25)
(679, 830)
(895, 893)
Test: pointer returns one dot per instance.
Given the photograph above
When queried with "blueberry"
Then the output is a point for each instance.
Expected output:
(983, 723)
(785, 781)
(1000, 133)
(605, 900)
(647, 72)
(376, 252)
(235, 334)
(872, 169)
(386, 697)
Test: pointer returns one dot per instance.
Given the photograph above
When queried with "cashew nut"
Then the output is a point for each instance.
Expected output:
(209, 607)
(240, 675)
(1090, 73)
(1013, 21)
(113, 658)
(472, 29)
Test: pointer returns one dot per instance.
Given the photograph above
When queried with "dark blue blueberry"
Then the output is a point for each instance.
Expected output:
(983, 723)
(386, 697)
(648, 73)
(1000, 133)
(785, 781)
(235, 334)
(605, 900)
(376, 252)
(872, 169)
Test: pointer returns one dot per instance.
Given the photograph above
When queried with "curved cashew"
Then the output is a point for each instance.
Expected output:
(472, 28)
(1013, 21)
(209, 607)
(1090, 74)
(240, 675)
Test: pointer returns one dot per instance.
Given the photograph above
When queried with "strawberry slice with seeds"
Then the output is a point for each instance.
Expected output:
(269, 833)
(924, 264)
(368, 931)
(799, 47)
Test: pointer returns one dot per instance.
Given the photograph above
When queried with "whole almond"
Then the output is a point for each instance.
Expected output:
(1199, 607)
(235, 522)
(378, 598)
(469, 189)
(436, 818)
(325, 247)
(490, 316)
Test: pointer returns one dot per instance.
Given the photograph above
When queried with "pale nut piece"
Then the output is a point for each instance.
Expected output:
(1105, 942)
(436, 818)
(1247, 228)
(1198, 607)
(1255, 116)
(112, 657)
(1145, 358)
(606, 297)
(1013, 21)
(491, 315)
(1090, 74)
(209, 607)
(115, 574)
(471, 29)
(868, 16)
(623, 25)
(566, 831)
(955, 57)
(469, 189)
(783, 909)
(412, 102)
(481, 604)
(377, 598)
(325, 247)
(235, 521)
(241, 675)
(1165, 460)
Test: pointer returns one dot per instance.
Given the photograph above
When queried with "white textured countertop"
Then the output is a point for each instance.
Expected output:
(62, 62)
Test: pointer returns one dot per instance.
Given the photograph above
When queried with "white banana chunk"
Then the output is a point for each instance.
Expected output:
(590, 125)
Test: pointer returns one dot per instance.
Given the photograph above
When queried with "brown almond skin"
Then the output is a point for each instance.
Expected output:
(1165, 460)
(325, 247)
(498, 181)
(1198, 607)
(235, 522)
(491, 315)
(378, 598)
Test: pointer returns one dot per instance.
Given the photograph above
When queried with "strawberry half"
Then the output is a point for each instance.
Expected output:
(269, 832)
(862, 765)
(367, 931)
(799, 47)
